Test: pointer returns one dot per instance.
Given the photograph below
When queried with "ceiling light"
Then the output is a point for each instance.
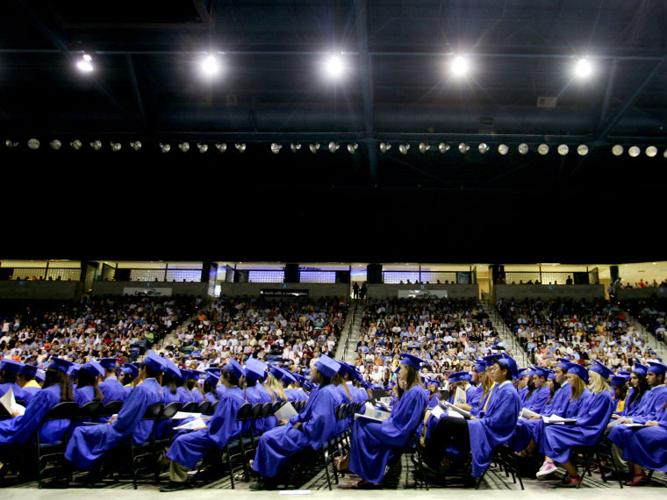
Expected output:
(634, 151)
(582, 150)
(403, 148)
(443, 147)
(459, 66)
(334, 67)
(240, 147)
(221, 146)
(116, 146)
(55, 144)
(384, 147)
(483, 148)
(523, 148)
(210, 66)
(76, 144)
(85, 64)
(136, 145)
(463, 148)
(423, 147)
(583, 69)
(617, 150)
(275, 148)
(333, 147)
(352, 148)
(184, 147)
(202, 147)
(503, 149)
(11, 144)
(651, 151)
(165, 148)
(314, 147)
(295, 147)
(34, 144)
(543, 149)
(96, 145)
(563, 149)
(664, 153)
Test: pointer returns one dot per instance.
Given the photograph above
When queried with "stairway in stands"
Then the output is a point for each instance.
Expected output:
(351, 333)
(653, 342)
(506, 335)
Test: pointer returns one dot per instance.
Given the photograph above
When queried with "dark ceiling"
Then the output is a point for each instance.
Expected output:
(367, 206)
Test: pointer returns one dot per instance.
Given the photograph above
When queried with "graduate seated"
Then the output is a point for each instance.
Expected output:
(253, 373)
(9, 370)
(87, 388)
(111, 388)
(26, 379)
(89, 444)
(454, 439)
(374, 444)
(555, 441)
(188, 449)
(310, 429)
(192, 384)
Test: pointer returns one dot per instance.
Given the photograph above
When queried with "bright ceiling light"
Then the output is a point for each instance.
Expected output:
(85, 64)
(634, 151)
(165, 148)
(116, 146)
(523, 148)
(136, 145)
(651, 151)
(352, 148)
(34, 144)
(543, 149)
(423, 147)
(503, 149)
(617, 150)
(483, 148)
(443, 147)
(240, 147)
(275, 148)
(202, 147)
(184, 147)
(459, 66)
(210, 66)
(295, 147)
(333, 147)
(76, 144)
(55, 144)
(335, 67)
(582, 150)
(314, 147)
(583, 68)
(96, 145)
(463, 148)
(384, 147)
(404, 148)
(563, 149)
(664, 153)
(221, 146)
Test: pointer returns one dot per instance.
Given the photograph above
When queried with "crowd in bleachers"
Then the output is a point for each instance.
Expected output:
(450, 334)
(652, 313)
(645, 284)
(587, 330)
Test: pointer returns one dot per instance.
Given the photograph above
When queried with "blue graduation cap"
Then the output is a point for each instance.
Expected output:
(212, 379)
(153, 361)
(10, 366)
(108, 363)
(618, 381)
(657, 367)
(190, 374)
(130, 369)
(412, 360)
(523, 372)
(490, 360)
(458, 377)
(28, 371)
(40, 376)
(254, 369)
(327, 366)
(564, 364)
(540, 372)
(639, 369)
(93, 368)
(551, 375)
(579, 371)
(234, 369)
(171, 369)
(623, 373)
(601, 369)
(508, 362)
(480, 366)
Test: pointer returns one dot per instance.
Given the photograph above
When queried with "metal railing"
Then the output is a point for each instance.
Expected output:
(41, 274)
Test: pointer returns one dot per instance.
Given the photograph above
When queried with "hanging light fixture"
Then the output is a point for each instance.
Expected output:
(423, 147)
(76, 144)
(275, 148)
(384, 147)
(333, 146)
(184, 147)
(165, 148)
(314, 147)
(221, 146)
(563, 149)
(503, 149)
(34, 144)
(543, 149)
(403, 148)
(136, 145)
(582, 149)
(443, 147)
(352, 148)
(115, 146)
(483, 148)
(55, 144)
(295, 147)
(651, 151)
(617, 150)
(240, 146)
(96, 145)
(523, 148)
(634, 151)
(202, 147)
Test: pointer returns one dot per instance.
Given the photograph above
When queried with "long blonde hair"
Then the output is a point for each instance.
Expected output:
(578, 388)
(275, 388)
(597, 384)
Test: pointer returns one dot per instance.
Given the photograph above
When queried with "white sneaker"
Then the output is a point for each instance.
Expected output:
(547, 469)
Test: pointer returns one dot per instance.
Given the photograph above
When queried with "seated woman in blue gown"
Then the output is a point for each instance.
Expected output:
(555, 442)
(188, 449)
(21, 429)
(453, 438)
(87, 387)
(373, 444)
(9, 369)
(112, 389)
(88, 444)
(310, 429)
(638, 389)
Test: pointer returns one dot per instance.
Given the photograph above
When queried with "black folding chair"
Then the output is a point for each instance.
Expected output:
(204, 408)
(111, 408)
(54, 453)
(191, 408)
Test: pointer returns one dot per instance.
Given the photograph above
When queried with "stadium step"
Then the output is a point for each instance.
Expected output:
(651, 340)
(506, 335)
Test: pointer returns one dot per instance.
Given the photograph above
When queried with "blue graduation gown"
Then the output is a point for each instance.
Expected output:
(556, 441)
(647, 446)
(188, 449)
(256, 394)
(342, 398)
(495, 427)
(196, 395)
(537, 399)
(89, 443)
(19, 393)
(560, 401)
(112, 390)
(185, 395)
(522, 396)
(474, 395)
(651, 405)
(433, 401)
(210, 397)
(19, 430)
(372, 443)
(29, 393)
(84, 395)
(318, 425)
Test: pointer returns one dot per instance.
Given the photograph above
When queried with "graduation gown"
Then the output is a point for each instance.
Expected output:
(433, 401)
(373, 443)
(89, 443)
(19, 393)
(84, 395)
(647, 446)
(256, 394)
(112, 390)
(537, 399)
(188, 449)
(495, 427)
(474, 395)
(556, 441)
(560, 401)
(185, 395)
(649, 409)
(318, 425)
(19, 430)
(522, 396)
(196, 395)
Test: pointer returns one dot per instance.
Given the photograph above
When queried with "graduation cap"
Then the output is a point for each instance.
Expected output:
(480, 366)
(579, 371)
(28, 371)
(254, 369)
(523, 372)
(40, 375)
(601, 369)
(618, 381)
(73, 370)
(215, 371)
(551, 375)
(508, 362)
(108, 363)
(10, 366)
(412, 360)
(130, 369)
(171, 369)
(93, 368)
(212, 379)
(540, 372)
(327, 366)
(190, 374)
(623, 373)
(234, 369)
(458, 377)
(639, 369)
(153, 361)
(490, 360)
(564, 364)
(657, 367)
